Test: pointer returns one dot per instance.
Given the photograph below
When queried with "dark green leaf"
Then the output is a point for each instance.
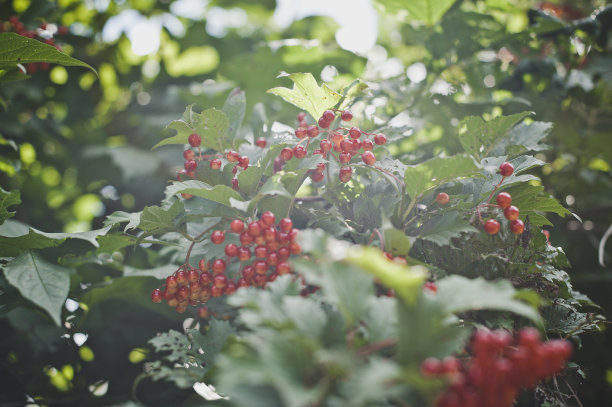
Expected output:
(155, 219)
(234, 108)
(8, 199)
(441, 229)
(437, 171)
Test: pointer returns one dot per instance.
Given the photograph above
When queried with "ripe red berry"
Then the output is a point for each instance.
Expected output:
(171, 282)
(345, 157)
(218, 266)
(203, 265)
(346, 116)
(243, 162)
(217, 237)
(261, 267)
(301, 116)
(511, 213)
(232, 156)
(323, 123)
(442, 198)
(203, 313)
(237, 226)
(157, 295)
(220, 280)
(195, 140)
(188, 155)
(248, 272)
(295, 248)
(283, 268)
(230, 288)
(431, 287)
(503, 199)
(261, 142)
(299, 151)
(231, 250)
(244, 253)
(325, 146)
(300, 132)
(317, 176)
(261, 252)
(328, 115)
(368, 157)
(245, 238)
(181, 278)
(431, 367)
(286, 153)
(491, 226)
(235, 183)
(254, 229)
(272, 259)
(517, 226)
(380, 139)
(193, 276)
(268, 218)
(506, 169)
(215, 163)
(216, 291)
(285, 225)
(191, 166)
(367, 145)
(345, 174)
(242, 283)
(312, 131)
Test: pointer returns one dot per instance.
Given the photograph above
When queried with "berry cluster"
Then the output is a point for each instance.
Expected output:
(44, 33)
(500, 365)
(341, 143)
(269, 243)
(504, 202)
(192, 160)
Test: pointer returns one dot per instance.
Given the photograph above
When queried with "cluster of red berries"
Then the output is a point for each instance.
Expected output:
(340, 143)
(43, 32)
(504, 202)
(269, 242)
(499, 367)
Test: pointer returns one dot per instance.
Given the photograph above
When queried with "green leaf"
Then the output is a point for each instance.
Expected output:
(437, 171)
(219, 193)
(427, 11)
(524, 137)
(8, 199)
(117, 217)
(531, 201)
(183, 130)
(16, 237)
(160, 272)
(307, 95)
(213, 125)
(41, 282)
(478, 137)
(441, 229)
(234, 108)
(16, 49)
(458, 294)
(259, 121)
(155, 219)
(213, 341)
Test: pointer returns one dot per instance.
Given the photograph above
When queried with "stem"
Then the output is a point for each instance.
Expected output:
(197, 239)
(376, 346)
(399, 181)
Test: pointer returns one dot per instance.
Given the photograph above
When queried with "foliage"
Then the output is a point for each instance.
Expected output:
(91, 156)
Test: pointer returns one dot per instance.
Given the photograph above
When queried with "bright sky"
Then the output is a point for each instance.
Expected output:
(357, 19)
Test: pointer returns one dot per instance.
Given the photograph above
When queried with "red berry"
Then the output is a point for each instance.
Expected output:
(354, 133)
(254, 229)
(295, 248)
(300, 132)
(193, 276)
(245, 238)
(491, 226)
(157, 295)
(242, 283)
(368, 157)
(529, 337)
(325, 146)
(345, 174)
(299, 151)
(346, 116)
(511, 213)
(272, 259)
(216, 291)
(232, 156)
(235, 183)
(261, 142)
(191, 166)
(230, 288)
(503, 199)
(215, 164)
(243, 162)
(431, 287)
(301, 116)
(202, 265)
(237, 226)
(181, 278)
(195, 140)
(205, 279)
(220, 280)
(231, 250)
(323, 123)
(171, 282)
(203, 313)
(261, 267)
(345, 158)
(312, 131)
(268, 218)
(218, 266)
(188, 155)
(517, 226)
(261, 252)
(367, 145)
(283, 268)
(506, 169)
(431, 367)
(285, 225)
(328, 115)
(442, 198)
(248, 272)
(217, 237)
(286, 153)
(380, 139)
(317, 176)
